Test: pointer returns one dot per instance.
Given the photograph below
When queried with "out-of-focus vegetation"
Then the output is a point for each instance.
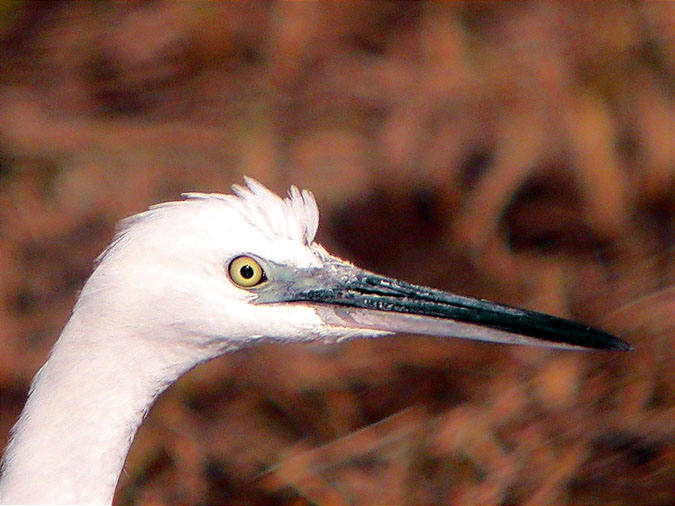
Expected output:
(522, 152)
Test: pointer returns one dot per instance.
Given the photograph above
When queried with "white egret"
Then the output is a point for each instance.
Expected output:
(187, 281)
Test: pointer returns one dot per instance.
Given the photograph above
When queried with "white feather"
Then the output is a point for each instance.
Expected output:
(158, 303)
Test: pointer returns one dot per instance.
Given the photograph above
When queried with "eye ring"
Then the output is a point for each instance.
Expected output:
(246, 272)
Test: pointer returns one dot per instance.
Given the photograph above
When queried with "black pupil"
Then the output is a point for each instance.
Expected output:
(246, 271)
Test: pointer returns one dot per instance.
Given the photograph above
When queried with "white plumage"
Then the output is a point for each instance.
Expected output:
(161, 301)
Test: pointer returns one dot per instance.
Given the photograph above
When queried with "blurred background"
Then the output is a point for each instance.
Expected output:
(522, 152)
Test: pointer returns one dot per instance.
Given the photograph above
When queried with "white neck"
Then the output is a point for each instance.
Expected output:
(85, 405)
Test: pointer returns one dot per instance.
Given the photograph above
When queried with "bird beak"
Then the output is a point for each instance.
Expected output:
(353, 298)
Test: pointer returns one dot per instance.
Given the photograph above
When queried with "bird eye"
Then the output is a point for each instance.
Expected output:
(246, 272)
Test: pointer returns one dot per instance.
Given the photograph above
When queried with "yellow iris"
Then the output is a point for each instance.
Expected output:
(246, 272)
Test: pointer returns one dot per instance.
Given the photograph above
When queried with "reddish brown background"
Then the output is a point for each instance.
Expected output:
(521, 152)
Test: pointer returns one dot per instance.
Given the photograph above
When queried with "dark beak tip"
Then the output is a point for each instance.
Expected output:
(615, 344)
(624, 346)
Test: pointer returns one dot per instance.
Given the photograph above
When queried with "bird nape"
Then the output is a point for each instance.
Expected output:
(184, 282)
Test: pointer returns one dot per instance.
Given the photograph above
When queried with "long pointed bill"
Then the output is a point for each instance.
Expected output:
(349, 297)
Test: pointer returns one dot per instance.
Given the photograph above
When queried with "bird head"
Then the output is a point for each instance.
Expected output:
(218, 272)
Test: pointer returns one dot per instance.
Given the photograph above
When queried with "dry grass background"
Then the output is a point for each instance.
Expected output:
(521, 152)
